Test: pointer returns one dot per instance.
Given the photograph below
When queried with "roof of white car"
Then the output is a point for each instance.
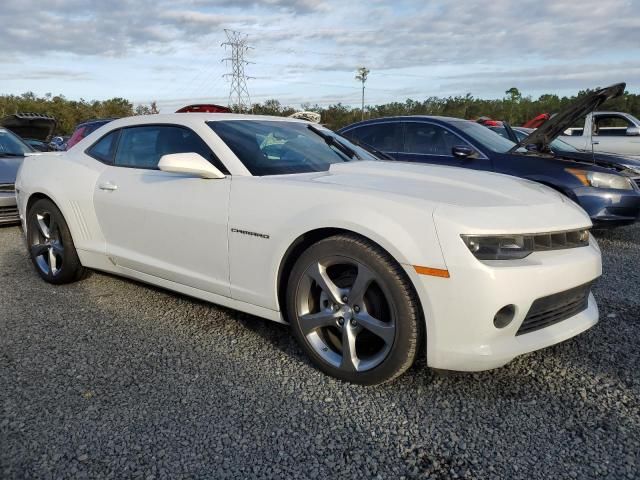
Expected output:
(194, 118)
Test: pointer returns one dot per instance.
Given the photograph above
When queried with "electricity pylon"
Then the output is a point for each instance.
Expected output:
(239, 98)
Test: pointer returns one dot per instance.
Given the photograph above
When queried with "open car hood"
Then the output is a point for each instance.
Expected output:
(30, 125)
(557, 124)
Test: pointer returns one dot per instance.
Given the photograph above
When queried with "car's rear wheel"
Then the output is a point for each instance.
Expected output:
(353, 310)
(50, 244)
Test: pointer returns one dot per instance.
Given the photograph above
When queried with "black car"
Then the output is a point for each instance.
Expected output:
(12, 153)
(610, 197)
(33, 128)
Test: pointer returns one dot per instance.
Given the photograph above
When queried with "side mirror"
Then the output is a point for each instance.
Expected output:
(192, 163)
(633, 131)
(462, 151)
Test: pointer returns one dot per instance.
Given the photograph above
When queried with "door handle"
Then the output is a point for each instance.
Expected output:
(108, 186)
(595, 143)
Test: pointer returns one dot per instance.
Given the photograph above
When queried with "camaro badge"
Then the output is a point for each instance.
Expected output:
(253, 234)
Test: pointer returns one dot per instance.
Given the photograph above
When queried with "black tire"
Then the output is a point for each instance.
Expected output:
(390, 292)
(47, 232)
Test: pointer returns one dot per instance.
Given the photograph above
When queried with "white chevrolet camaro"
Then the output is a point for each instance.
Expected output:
(371, 262)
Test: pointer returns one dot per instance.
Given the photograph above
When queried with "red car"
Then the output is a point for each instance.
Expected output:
(536, 122)
(204, 108)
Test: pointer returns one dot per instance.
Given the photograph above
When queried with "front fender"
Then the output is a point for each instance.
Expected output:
(404, 229)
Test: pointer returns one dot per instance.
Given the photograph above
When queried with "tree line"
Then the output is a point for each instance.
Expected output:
(514, 107)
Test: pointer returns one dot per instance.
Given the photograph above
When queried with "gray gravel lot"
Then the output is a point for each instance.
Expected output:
(113, 379)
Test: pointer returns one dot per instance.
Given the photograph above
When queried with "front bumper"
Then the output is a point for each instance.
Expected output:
(609, 208)
(459, 311)
(8, 209)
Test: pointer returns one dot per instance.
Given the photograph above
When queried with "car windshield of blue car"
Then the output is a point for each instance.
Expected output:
(488, 138)
(271, 147)
(559, 146)
(11, 145)
(556, 145)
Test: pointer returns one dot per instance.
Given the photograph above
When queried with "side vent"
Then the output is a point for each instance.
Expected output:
(83, 230)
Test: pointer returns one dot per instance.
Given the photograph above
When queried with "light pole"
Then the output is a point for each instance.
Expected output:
(363, 72)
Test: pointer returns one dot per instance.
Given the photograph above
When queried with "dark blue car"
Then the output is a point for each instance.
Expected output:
(610, 198)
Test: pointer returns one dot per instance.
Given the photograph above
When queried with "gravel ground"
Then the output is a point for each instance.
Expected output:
(113, 379)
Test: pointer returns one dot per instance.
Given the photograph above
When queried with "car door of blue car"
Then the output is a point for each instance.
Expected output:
(428, 142)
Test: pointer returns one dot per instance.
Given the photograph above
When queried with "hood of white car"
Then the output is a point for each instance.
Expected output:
(441, 185)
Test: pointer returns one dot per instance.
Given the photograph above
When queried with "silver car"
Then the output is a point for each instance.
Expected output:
(12, 152)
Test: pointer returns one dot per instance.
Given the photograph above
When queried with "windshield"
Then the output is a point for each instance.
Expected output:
(484, 136)
(557, 145)
(271, 147)
(561, 146)
(11, 145)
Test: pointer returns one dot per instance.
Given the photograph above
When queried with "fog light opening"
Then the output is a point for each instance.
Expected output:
(504, 316)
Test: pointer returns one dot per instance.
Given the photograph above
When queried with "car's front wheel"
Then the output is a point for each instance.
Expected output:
(50, 244)
(353, 310)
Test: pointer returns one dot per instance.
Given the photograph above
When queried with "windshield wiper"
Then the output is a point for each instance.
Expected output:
(334, 142)
(11, 154)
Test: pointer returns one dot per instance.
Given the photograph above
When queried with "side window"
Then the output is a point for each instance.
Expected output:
(611, 125)
(142, 147)
(429, 139)
(386, 137)
(105, 148)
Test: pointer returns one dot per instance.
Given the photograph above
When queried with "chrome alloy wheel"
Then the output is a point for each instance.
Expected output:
(46, 243)
(345, 313)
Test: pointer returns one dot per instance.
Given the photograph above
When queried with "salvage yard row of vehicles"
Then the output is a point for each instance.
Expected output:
(370, 262)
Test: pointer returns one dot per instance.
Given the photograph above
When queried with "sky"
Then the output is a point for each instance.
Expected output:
(308, 51)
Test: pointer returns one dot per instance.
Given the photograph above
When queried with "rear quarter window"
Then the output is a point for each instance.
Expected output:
(104, 149)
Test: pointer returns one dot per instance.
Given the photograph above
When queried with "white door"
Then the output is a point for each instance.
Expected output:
(610, 135)
(168, 225)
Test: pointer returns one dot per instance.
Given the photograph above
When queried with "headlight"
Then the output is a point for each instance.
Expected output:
(513, 247)
(601, 180)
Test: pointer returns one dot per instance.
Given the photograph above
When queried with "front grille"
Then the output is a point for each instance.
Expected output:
(637, 180)
(555, 308)
(7, 187)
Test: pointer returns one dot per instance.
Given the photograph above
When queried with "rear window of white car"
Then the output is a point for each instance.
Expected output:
(275, 148)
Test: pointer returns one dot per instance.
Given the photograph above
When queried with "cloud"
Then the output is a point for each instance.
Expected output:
(388, 34)
(438, 46)
(550, 78)
(54, 74)
(119, 26)
(112, 28)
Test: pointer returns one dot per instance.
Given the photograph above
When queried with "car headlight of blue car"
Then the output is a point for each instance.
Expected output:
(601, 180)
